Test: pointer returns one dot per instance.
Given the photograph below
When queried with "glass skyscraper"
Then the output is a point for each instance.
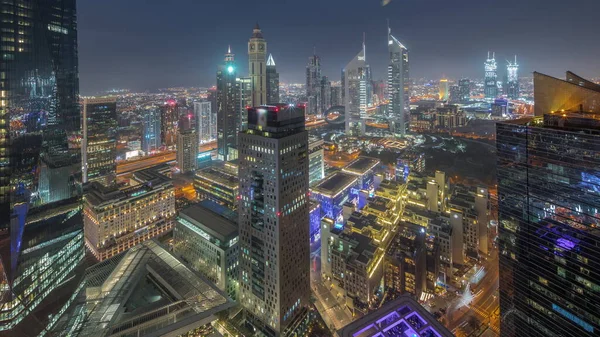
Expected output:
(151, 130)
(398, 84)
(99, 145)
(356, 77)
(272, 81)
(549, 219)
(228, 117)
(41, 238)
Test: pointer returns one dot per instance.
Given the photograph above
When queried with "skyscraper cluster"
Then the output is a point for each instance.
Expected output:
(492, 87)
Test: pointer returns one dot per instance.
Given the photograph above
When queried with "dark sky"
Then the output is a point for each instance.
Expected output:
(149, 44)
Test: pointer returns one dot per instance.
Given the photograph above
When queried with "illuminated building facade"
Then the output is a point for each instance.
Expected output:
(187, 150)
(219, 183)
(316, 156)
(406, 261)
(118, 218)
(464, 88)
(407, 162)
(315, 221)
(491, 77)
(274, 218)
(333, 192)
(151, 131)
(245, 99)
(512, 79)
(356, 77)
(313, 85)
(325, 94)
(363, 168)
(443, 90)
(398, 84)
(206, 123)
(41, 234)
(99, 145)
(206, 237)
(272, 81)
(257, 57)
(168, 123)
(549, 196)
(573, 94)
(228, 110)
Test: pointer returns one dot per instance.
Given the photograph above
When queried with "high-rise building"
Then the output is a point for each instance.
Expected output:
(41, 239)
(398, 84)
(573, 94)
(325, 94)
(549, 196)
(272, 82)
(257, 56)
(273, 215)
(168, 122)
(357, 76)
(245, 100)
(99, 144)
(443, 90)
(313, 85)
(187, 150)
(464, 88)
(151, 130)
(205, 123)
(491, 77)
(512, 79)
(228, 117)
(336, 95)
(316, 158)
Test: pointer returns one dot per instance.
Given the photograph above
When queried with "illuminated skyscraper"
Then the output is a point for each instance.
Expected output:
(398, 84)
(357, 76)
(272, 82)
(325, 94)
(245, 99)
(99, 145)
(443, 86)
(464, 88)
(549, 197)
(151, 130)
(41, 232)
(512, 79)
(205, 123)
(168, 122)
(313, 85)
(187, 150)
(257, 56)
(228, 116)
(274, 219)
(491, 77)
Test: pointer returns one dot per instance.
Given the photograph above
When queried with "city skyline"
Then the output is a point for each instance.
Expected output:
(140, 54)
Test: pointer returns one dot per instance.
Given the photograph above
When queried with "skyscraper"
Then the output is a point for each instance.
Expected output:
(274, 218)
(168, 122)
(151, 130)
(549, 196)
(357, 76)
(313, 85)
(257, 56)
(205, 123)
(272, 82)
(512, 79)
(41, 237)
(464, 88)
(398, 84)
(325, 94)
(245, 99)
(187, 150)
(443, 88)
(99, 145)
(491, 77)
(228, 117)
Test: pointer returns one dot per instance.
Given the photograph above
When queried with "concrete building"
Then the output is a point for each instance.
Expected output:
(206, 237)
(363, 168)
(316, 158)
(218, 182)
(333, 192)
(187, 150)
(118, 218)
(257, 69)
(206, 123)
(99, 144)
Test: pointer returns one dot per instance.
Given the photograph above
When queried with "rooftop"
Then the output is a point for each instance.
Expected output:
(361, 165)
(401, 317)
(221, 174)
(335, 184)
(360, 220)
(212, 218)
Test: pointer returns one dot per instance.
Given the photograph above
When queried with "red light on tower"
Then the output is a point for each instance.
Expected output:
(278, 214)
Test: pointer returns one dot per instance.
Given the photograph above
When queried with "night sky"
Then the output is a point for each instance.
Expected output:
(149, 44)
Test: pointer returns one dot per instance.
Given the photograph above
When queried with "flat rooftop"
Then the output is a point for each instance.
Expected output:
(335, 184)
(212, 218)
(360, 220)
(361, 165)
(221, 174)
(402, 317)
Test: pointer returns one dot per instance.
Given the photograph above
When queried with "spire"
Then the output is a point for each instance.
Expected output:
(257, 27)
(364, 47)
(270, 61)
(389, 29)
(229, 49)
(256, 32)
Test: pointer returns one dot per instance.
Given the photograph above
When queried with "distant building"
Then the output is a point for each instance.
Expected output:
(272, 82)
(151, 131)
(228, 111)
(455, 96)
(464, 87)
(313, 85)
(168, 123)
(398, 84)
(206, 237)
(325, 94)
(245, 100)
(499, 108)
(512, 79)
(491, 77)
(219, 183)
(443, 90)
(187, 150)
(99, 145)
(336, 95)
(357, 76)
(206, 123)
(257, 57)
(118, 218)
(316, 169)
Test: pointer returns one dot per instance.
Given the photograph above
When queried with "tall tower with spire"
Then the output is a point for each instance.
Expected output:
(491, 77)
(357, 78)
(257, 57)
(398, 84)
(512, 79)
(313, 84)
(228, 119)
(272, 81)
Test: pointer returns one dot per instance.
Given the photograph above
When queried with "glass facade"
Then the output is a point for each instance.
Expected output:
(357, 77)
(549, 204)
(40, 159)
(99, 146)
(228, 120)
(151, 131)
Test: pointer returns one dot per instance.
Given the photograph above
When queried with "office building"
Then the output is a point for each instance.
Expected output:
(549, 196)
(512, 79)
(206, 123)
(274, 219)
(316, 156)
(218, 182)
(398, 84)
(357, 76)
(144, 292)
(403, 316)
(257, 58)
(245, 100)
(228, 109)
(454, 94)
(41, 239)
(491, 77)
(118, 218)
(443, 90)
(325, 95)
(168, 123)
(187, 150)
(364, 168)
(99, 144)
(206, 237)
(272, 82)
(464, 87)
(333, 192)
(336, 95)
(407, 162)
(151, 131)
(313, 85)
(573, 94)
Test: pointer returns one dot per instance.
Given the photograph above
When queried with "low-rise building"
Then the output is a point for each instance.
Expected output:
(219, 183)
(332, 192)
(364, 169)
(406, 261)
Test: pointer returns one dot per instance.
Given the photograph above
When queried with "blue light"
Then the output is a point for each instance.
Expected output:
(230, 69)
